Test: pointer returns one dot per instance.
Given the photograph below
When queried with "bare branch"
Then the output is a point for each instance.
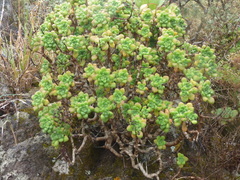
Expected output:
(82, 145)
(173, 143)
(139, 166)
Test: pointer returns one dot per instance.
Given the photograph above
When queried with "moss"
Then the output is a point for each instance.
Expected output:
(29, 110)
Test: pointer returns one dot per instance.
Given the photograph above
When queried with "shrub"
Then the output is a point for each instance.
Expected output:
(214, 23)
(118, 73)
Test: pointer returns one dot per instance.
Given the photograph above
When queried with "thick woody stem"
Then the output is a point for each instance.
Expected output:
(173, 143)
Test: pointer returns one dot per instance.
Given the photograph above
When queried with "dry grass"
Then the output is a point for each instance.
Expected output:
(18, 64)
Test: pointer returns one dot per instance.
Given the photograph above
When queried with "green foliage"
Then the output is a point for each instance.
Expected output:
(51, 123)
(47, 83)
(45, 67)
(177, 59)
(181, 160)
(80, 104)
(157, 83)
(104, 79)
(49, 40)
(188, 90)
(127, 46)
(205, 61)
(121, 76)
(168, 41)
(136, 125)
(39, 99)
(194, 74)
(141, 87)
(104, 106)
(160, 142)
(125, 65)
(163, 120)
(184, 112)
(206, 91)
(63, 61)
(118, 96)
(62, 89)
(226, 114)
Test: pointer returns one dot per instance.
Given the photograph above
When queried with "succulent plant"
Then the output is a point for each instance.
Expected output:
(188, 89)
(160, 142)
(121, 70)
(181, 160)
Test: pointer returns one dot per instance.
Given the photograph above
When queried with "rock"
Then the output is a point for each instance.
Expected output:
(61, 166)
(28, 160)
(18, 128)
